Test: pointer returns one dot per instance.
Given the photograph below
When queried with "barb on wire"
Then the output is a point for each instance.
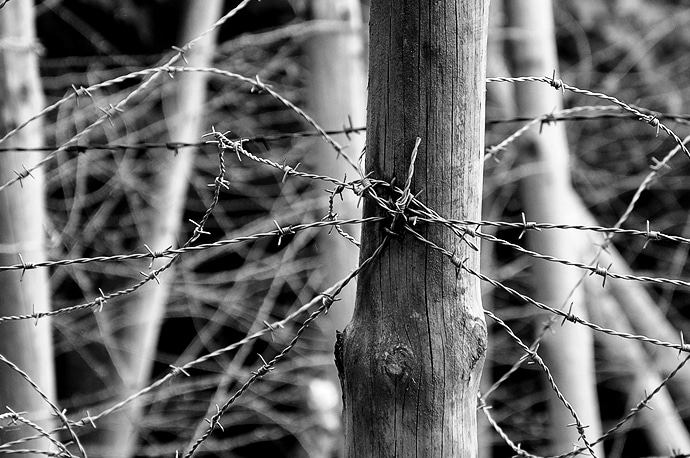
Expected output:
(151, 275)
(176, 146)
(486, 409)
(493, 151)
(531, 353)
(554, 311)
(325, 300)
(270, 365)
(17, 417)
(558, 84)
(644, 403)
(121, 104)
(401, 204)
(59, 413)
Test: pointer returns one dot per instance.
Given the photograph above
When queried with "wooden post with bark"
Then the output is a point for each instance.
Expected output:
(411, 358)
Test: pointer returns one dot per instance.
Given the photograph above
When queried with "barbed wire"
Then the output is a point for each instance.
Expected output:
(598, 112)
(175, 146)
(644, 403)
(534, 356)
(559, 85)
(424, 215)
(560, 116)
(327, 302)
(112, 110)
(465, 226)
(15, 417)
(326, 297)
(406, 207)
(531, 353)
(59, 413)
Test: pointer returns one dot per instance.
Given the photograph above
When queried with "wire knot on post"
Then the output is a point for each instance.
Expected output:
(363, 185)
(398, 208)
(492, 152)
(457, 262)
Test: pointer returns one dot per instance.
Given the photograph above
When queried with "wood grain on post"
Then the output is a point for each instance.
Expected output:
(413, 354)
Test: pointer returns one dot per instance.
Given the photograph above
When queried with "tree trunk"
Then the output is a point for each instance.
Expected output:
(661, 423)
(413, 354)
(22, 229)
(140, 316)
(568, 349)
(337, 95)
(337, 90)
(631, 309)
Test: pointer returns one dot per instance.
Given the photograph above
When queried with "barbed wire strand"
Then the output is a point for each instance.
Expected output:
(569, 114)
(610, 432)
(462, 225)
(100, 301)
(181, 250)
(29, 451)
(327, 302)
(558, 84)
(405, 206)
(174, 146)
(532, 354)
(657, 168)
(634, 411)
(59, 413)
(176, 371)
(536, 358)
(171, 70)
(486, 409)
(17, 417)
(112, 110)
(493, 151)
(559, 116)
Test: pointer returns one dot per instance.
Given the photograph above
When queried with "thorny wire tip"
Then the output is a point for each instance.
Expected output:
(557, 83)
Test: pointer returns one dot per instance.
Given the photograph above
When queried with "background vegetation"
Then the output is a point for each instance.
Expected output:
(98, 196)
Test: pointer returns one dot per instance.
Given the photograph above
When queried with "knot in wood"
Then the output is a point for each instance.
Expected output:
(397, 363)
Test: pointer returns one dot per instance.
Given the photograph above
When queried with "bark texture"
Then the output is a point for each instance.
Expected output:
(413, 354)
